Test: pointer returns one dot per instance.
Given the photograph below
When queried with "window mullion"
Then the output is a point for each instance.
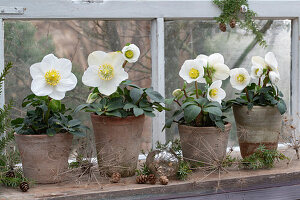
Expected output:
(158, 76)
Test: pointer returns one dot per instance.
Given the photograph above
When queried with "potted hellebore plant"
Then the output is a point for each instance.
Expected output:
(118, 109)
(202, 127)
(259, 107)
(44, 135)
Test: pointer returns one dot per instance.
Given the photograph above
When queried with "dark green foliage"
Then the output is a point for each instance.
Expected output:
(261, 96)
(231, 11)
(13, 181)
(126, 102)
(9, 157)
(262, 158)
(48, 117)
(144, 170)
(197, 112)
(184, 170)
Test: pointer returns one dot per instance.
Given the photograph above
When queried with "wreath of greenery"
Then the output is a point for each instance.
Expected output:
(237, 11)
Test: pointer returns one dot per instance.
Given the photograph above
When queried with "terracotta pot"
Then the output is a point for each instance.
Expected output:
(44, 158)
(203, 144)
(259, 126)
(118, 142)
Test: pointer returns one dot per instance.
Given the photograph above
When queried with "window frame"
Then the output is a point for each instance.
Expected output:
(158, 12)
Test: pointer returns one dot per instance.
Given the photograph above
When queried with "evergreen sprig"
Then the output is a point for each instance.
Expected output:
(231, 11)
(262, 158)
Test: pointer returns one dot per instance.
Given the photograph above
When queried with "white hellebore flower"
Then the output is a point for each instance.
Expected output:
(274, 76)
(105, 71)
(256, 71)
(269, 62)
(215, 92)
(131, 53)
(52, 77)
(192, 70)
(239, 78)
(215, 63)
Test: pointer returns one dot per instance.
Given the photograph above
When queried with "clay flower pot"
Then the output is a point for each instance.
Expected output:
(45, 158)
(118, 142)
(259, 126)
(203, 144)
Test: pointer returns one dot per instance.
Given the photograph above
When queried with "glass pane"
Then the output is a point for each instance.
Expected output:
(28, 42)
(185, 39)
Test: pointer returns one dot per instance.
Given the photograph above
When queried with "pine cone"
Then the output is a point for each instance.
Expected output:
(141, 179)
(10, 174)
(24, 186)
(164, 180)
(152, 179)
(232, 23)
(222, 27)
(115, 177)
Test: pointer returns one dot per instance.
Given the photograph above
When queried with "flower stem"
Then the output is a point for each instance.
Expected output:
(247, 94)
(48, 112)
(185, 94)
(196, 86)
(124, 64)
(177, 102)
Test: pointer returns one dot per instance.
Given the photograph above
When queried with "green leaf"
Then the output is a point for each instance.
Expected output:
(55, 105)
(135, 94)
(114, 113)
(168, 123)
(138, 111)
(202, 101)
(213, 110)
(78, 133)
(149, 109)
(129, 106)
(149, 114)
(51, 131)
(191, 112)
(187, 104)
(250, 106)
(80, 107)
(281, 107)
(220, 124)
(74, 122)
(155, 96)
(169, 101)
(115, 104)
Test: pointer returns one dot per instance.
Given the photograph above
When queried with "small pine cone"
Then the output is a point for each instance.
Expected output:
(141, 179)
(24, 186)
(115, 177)
(152, 179)
(164, 180)
(232, 23)
(10, 174)
(222, 27)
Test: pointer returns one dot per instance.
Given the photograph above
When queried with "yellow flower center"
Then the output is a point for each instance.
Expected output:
(240, 78)
(129, 54)
(52, 77)
(106, 72)
(194, 73)
(256, 71)
(213, 92)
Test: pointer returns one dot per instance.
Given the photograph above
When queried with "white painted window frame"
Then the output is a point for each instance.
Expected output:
(156, 11)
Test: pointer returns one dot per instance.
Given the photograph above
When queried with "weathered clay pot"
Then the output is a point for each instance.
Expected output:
(118, 142)
(45, 158)
(203, 145)
(260, 125)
